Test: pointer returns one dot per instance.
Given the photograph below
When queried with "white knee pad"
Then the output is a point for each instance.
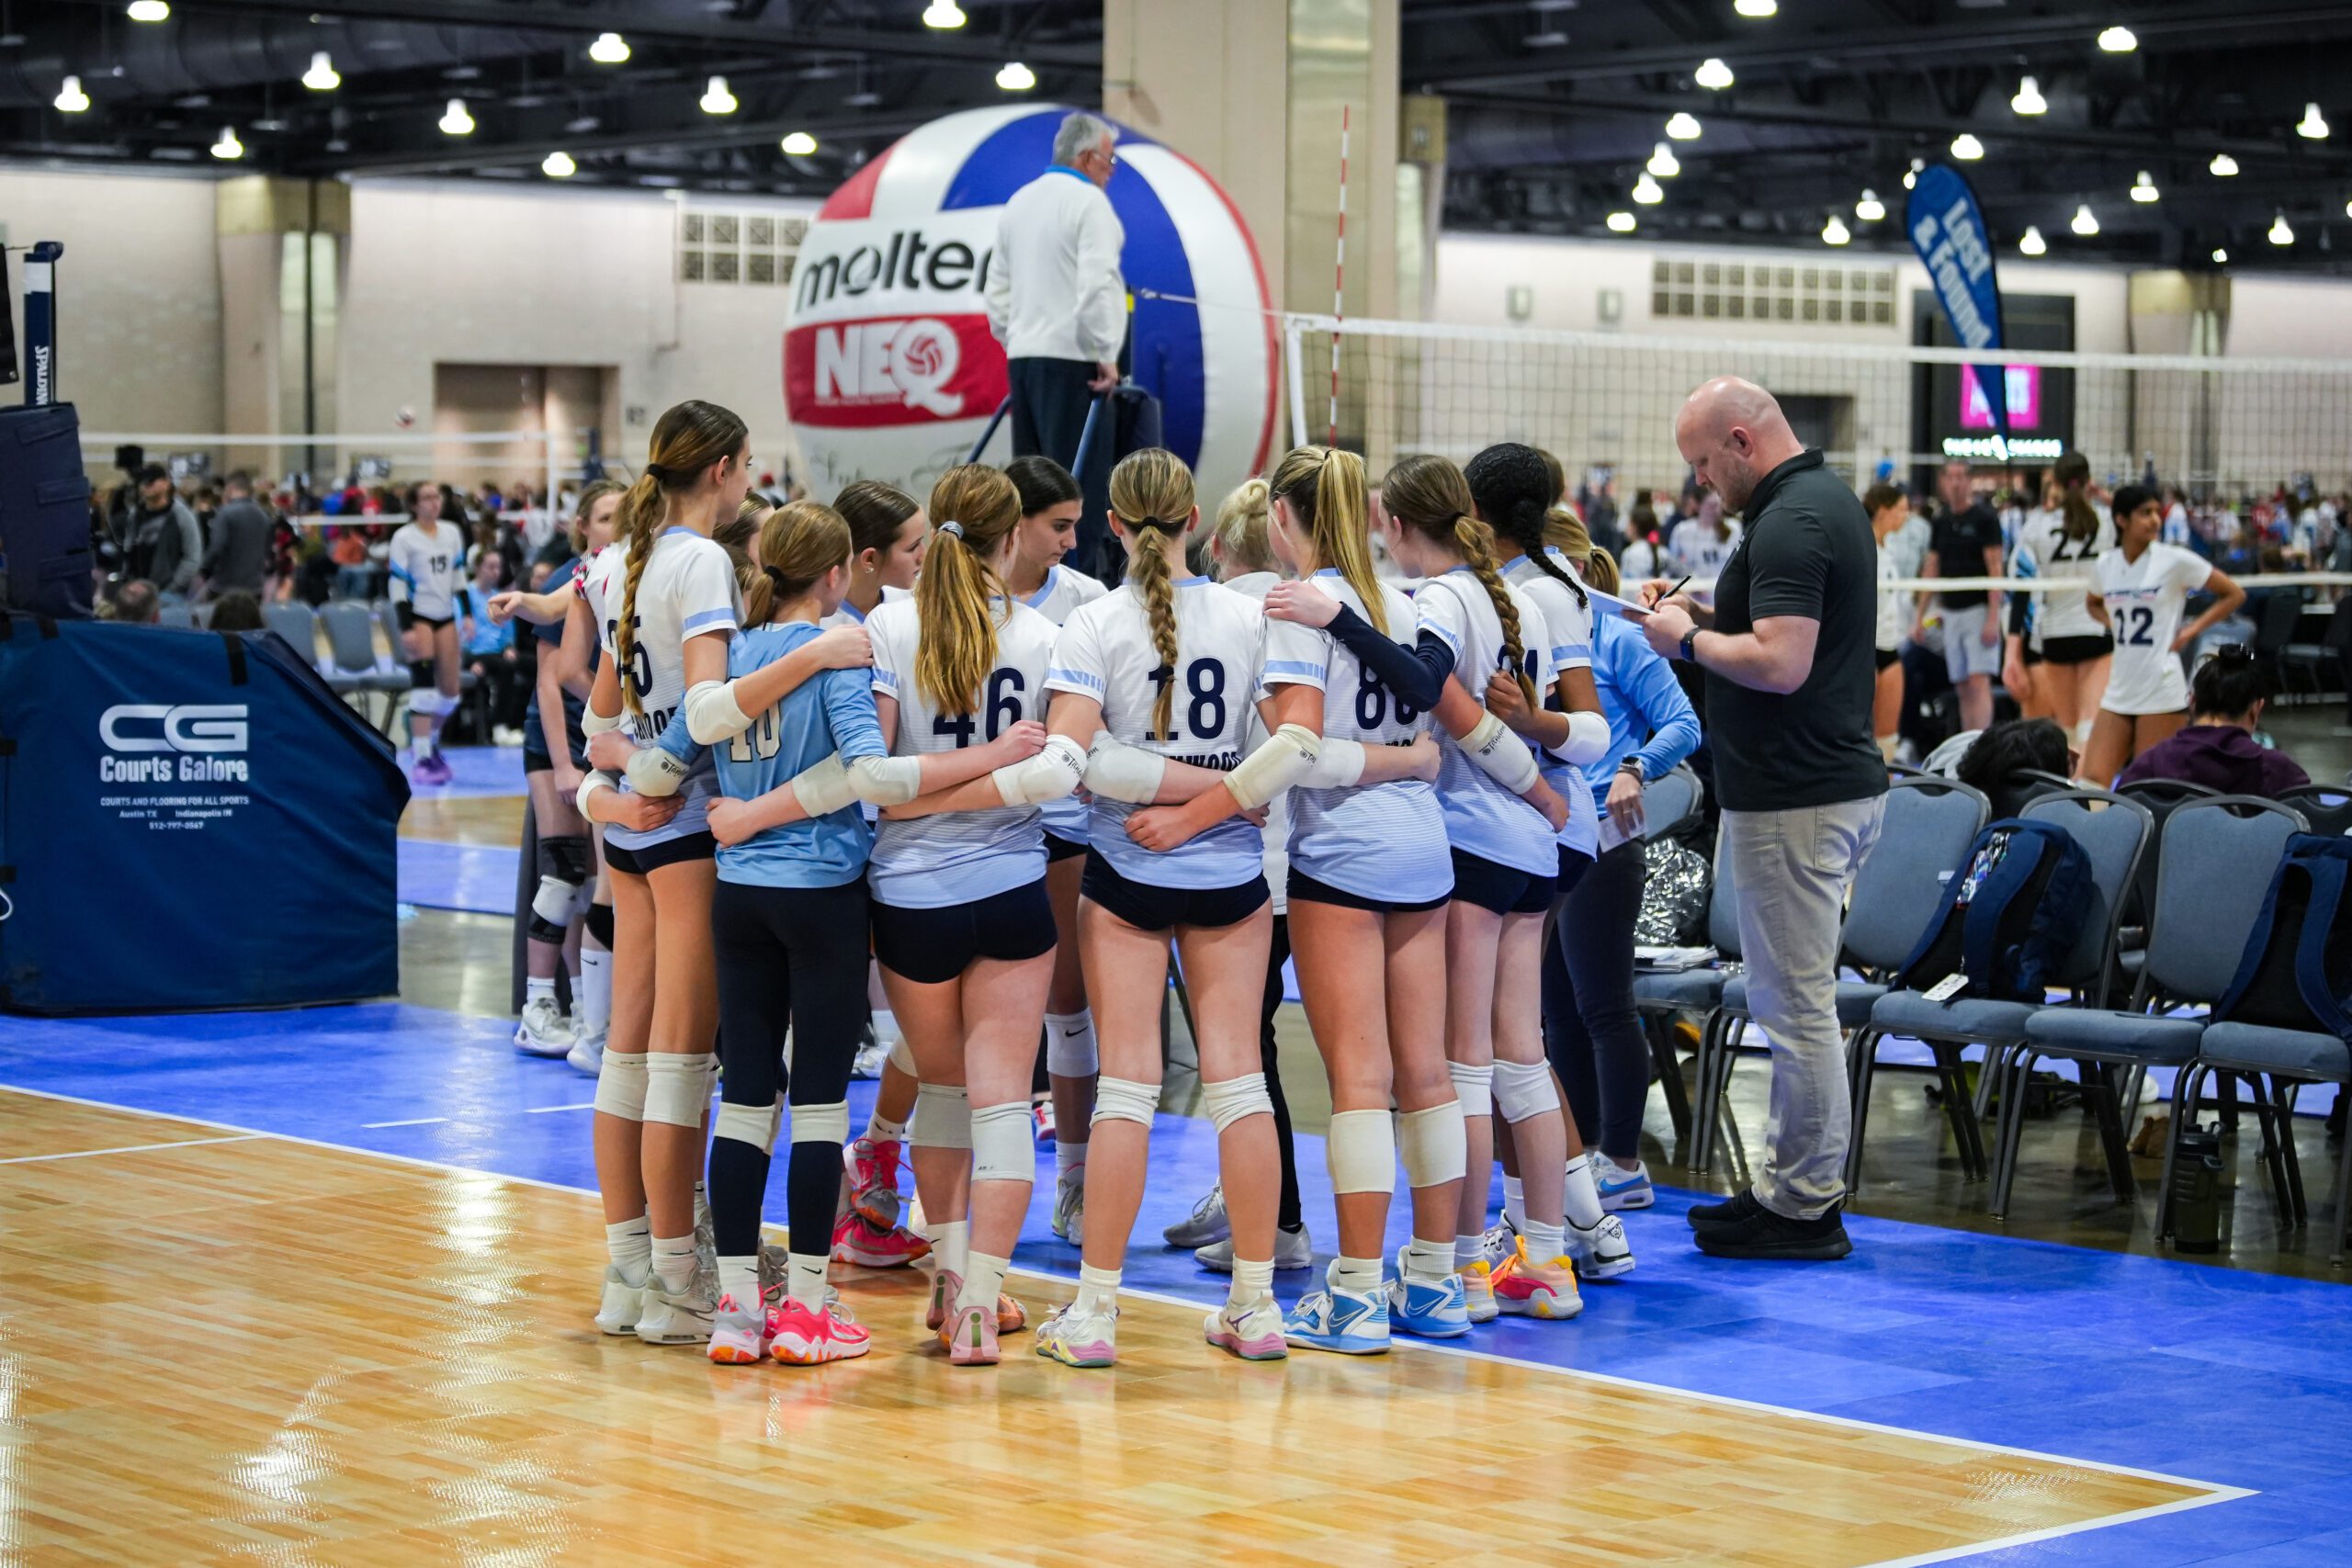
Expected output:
(1523, 1090)
(821, 1123)
(432, 701)
(1004, 1147)
(1435, 1147)
(1474, 1087)
(620, 1085)
(1229, 1100)
(942, 1117)
(1125, 1099)
(752, 1124)
(1361, 1148)
(678, 1086)
(902, 1057)
(1070, 1044)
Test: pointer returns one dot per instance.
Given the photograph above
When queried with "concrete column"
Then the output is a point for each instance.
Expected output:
(2179, 313)
(281, 246)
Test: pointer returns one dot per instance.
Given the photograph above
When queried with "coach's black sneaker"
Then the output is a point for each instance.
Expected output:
(1739, 1208)
(1768, 1235)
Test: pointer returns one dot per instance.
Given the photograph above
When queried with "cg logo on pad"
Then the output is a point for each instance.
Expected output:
(890, 369)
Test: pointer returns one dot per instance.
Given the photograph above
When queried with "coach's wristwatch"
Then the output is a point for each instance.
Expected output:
(1689, 646)
(1632, 764)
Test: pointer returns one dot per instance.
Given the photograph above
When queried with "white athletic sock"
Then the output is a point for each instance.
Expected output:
(1251, 1280)
(1098, 1288)
(880, 1129)
(951, 1242)
(985, 1278)
(702, 1208)
(595, 989)
(804, 1280)
(1515, 1203)
(1467, 1250)
(630, 1246)
(674, 1261)
(1545, 1242)
(1427, 1262)
(1069, 1161)
(535, 987)
(421, 745)
(1580, 1197)
(1359, 1275)
(739, 1278)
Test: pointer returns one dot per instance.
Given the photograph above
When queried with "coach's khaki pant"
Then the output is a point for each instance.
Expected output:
(1789, 872)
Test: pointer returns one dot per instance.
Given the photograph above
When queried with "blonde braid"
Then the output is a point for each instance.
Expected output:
(1151, 492)
(1471, 539)
(1149, 572)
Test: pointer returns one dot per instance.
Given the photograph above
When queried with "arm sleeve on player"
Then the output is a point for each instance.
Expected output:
(677, 742)
(1503, 756)
(1417, 674)
(711, 714)
(885, 780)
(1117, 771)
(1285, 757)
(1588, 738)
(592, 723)
(597, 779)
(1339, 766)
(653, 770)
(1049, 775)
(823, 787)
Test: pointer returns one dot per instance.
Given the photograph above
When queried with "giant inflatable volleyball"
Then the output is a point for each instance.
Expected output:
(890, 369)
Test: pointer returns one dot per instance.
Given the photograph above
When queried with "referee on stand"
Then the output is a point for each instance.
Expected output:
(1059, 305)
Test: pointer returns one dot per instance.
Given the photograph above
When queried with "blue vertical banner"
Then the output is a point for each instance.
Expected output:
(1948, 231)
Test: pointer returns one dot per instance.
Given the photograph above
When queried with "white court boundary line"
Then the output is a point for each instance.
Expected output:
(2213, 1492)
(132, 1148)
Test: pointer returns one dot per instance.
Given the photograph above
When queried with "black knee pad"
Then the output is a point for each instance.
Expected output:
(544, 930)
(420, 674)
(600, 924)
(564, 856)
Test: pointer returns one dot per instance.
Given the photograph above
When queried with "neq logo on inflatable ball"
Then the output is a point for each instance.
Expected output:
(890, 369)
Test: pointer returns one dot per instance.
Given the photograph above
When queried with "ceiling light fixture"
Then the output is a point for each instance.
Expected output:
(800, 144)
(1648, 191)
(1663, 163)
(1756, 9)
(228, 146)
(70, 100)
(1966, 148)
(943, 14)
(1621, 223)
(2032, 242)
(1712, 74)
(2311, 127)
(1834, 232)
(2143, 188)
(1911, 175)
(2220, 256)
(2279, 233)
(321, 76)
(1870, 210)
(155, 11)
(2223, 166)
(455, 121)
(1683, 126)
(715, 98)
(1016, 77)
(2030, 99)
(558, 166)
(2118, 41)
(2085, 223)
(610, 49)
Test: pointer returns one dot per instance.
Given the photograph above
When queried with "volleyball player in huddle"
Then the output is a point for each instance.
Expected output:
(427, 566)
(1051, 503)
(2138, 591)
(1512, 486)
(1501, 819)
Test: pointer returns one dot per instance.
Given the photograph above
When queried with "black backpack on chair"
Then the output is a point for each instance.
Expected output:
(2296, 971)
(2009, 916)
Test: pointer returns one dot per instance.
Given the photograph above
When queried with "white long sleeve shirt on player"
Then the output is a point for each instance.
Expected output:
(1379, 841)
(954, 857)
(1105, 652)
(2143, 601)
(2064, 612)
(1482, 817)
(688, 590)
(1061, 594)
(1569, 626)
(1054, 289)
(428, 566)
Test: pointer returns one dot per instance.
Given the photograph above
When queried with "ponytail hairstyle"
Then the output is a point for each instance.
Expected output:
(1564, 530)
(1041, 481)
(1600, 570)
(1324, 489)
(2128, 499)
(2228, 684)
(590, 494)
(2072, 472)
(1241, 522)
(1512, 491)
(687, 439)
(974, 509)
(1152, 491)
(875, 513)
(798, 544)
(1428, 494)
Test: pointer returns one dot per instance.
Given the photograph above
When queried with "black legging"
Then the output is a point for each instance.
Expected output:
(1591, 1030)
(793, 956)
(1268, 1058)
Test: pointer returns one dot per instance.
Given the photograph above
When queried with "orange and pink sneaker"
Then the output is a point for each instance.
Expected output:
(1537, 1290)
(741, 1338)
(894, 1247)
(873, 1171)
(1478, 1291)
(804, 1337)
(1011, 1317)
(971, 1338)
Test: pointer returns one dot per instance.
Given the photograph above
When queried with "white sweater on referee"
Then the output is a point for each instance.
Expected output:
(1055, 291)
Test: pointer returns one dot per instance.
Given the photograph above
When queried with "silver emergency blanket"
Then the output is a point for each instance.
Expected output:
(1674, 899)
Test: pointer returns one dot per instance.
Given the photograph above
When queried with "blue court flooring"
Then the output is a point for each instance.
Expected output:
(2210, 1373)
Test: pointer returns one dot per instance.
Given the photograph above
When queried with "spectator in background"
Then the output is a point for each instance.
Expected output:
(238, 610)
(166, 547)
(352, 577)
(1700, 547)
(1641, 563)
(135, 602)
(1889, 509)
(1996, 762)
(2177, 531)
(241, 539)
(2218, 749)
(487, 648)
(1967, 543)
